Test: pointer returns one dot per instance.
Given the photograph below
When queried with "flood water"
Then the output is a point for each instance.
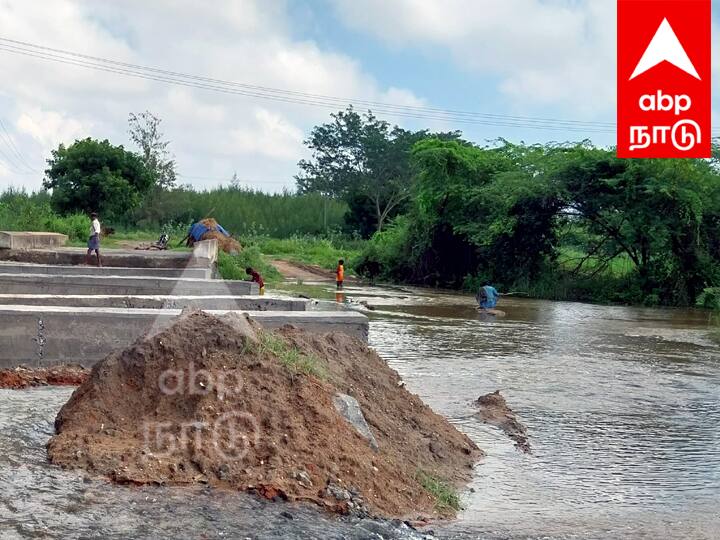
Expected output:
(621, 404)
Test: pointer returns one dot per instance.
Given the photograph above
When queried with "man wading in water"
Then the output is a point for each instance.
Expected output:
(94, 241)
(487, 298)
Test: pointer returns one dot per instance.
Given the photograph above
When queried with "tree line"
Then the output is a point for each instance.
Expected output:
(558, 220)
(555, 220)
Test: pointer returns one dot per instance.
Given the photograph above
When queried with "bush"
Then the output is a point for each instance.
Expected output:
(22, 212)
(386, 255)
(709, 298)
(243, 212)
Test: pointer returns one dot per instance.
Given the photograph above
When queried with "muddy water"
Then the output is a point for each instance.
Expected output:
(622, 406)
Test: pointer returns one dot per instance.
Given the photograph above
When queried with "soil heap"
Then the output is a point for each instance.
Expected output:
(223, 402)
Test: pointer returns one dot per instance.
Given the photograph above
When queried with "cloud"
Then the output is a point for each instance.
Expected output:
(545, 52)
(212, 134)
(270, 135)
(48, 127)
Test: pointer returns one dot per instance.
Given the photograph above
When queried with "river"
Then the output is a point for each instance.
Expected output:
(621, 404)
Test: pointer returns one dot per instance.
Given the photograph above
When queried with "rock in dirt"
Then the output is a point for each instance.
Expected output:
(495, 411)
(24, 377)
(223, 402)
(350, 410)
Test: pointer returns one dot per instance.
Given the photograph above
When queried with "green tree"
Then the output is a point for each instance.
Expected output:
(662, 214)
(501, 214)
(365, 162)
(145, 133)
(92, 175)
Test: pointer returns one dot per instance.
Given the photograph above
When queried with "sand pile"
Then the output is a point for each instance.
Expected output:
(225, 243)
(23, 377)
(220, 401)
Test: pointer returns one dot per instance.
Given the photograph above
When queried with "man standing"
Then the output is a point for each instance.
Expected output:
(94, 241)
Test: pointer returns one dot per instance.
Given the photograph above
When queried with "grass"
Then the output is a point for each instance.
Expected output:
(446, 497)
(233, 266)
(260, 251)
(291, 357)
(319, 251)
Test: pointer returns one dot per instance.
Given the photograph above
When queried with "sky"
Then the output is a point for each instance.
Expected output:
(526, 59)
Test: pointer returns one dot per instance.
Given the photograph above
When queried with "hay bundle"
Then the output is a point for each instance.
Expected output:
(210, 223)
(225, 243)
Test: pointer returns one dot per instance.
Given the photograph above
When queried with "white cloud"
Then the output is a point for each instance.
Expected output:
(269, 136)
(48, 127)
(212, 134)
(546, 52)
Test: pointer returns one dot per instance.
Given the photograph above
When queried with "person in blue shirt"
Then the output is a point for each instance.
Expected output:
(487, 297)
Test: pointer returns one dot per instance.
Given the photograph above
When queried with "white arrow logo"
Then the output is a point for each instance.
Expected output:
(665, 45)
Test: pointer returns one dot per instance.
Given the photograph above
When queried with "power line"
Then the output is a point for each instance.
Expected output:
(304, 94)
(9, 163)
(14, 148)
(287, 96)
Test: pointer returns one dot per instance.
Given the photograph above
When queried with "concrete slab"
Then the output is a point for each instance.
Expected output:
(111, 257)
(84, 270)
(122, 285)
(51, 335)
(31, 240)
(252, 303)
(206, 250)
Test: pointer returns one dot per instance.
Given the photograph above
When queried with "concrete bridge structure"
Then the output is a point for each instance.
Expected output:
(55, 310)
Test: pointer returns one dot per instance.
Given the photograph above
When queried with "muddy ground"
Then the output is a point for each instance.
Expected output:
(24, 377)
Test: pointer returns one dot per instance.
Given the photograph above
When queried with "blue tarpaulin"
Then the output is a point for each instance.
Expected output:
(198, 229)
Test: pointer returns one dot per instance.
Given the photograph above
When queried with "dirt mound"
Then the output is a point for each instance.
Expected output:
(223, 402)
(23, 377)
(495, 411)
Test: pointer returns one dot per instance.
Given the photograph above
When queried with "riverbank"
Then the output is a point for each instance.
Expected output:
(25, 377)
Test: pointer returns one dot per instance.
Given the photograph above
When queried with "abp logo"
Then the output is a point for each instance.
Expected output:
(663, 79)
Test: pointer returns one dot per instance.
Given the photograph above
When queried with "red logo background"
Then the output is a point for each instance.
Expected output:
(638, 21)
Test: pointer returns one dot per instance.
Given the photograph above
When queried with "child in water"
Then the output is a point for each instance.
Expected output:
(340, 273)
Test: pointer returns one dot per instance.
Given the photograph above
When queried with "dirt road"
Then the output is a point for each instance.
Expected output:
(303, 272)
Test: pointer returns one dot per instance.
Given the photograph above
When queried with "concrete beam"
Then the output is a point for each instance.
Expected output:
(31, 240)
(122, 285)
(52, 335)
(84, 270)
(251, 303)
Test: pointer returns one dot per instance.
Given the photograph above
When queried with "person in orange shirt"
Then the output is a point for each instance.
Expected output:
(340, 273)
